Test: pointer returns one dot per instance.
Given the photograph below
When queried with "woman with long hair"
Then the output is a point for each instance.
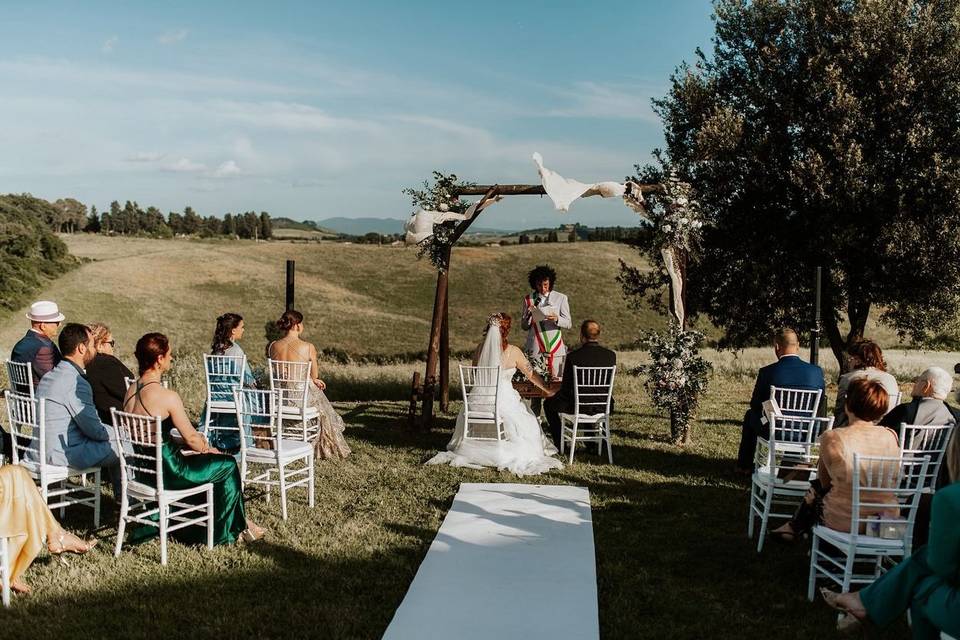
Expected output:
(229, 329)
(867, 359)
(330, 442)
(204, 464)
(524, 449)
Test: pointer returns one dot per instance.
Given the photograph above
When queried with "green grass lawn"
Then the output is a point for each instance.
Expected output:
(673, 560)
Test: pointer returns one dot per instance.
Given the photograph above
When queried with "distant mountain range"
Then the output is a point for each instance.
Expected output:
(385, 226)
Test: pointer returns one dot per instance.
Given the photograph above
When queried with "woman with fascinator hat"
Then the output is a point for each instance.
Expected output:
(524, 450)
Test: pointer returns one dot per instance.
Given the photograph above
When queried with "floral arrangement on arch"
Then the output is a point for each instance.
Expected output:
(675, 216)
(677, 376)
(438, 196)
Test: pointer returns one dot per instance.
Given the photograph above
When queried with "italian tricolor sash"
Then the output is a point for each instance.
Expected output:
(549, 341)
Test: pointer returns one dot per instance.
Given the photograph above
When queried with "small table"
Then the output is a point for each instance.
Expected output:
(529, 391)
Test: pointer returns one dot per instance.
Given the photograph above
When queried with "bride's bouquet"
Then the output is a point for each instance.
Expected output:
(540, 367)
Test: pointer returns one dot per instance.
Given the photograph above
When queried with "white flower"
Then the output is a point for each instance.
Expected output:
(682, 201)
(663, 361)
(697, 224)
(684, 220)
(444, 207)
(667, 228)
(677, 363)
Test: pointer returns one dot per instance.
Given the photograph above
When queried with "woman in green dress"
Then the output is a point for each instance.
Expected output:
(927, 583)
(148, 397)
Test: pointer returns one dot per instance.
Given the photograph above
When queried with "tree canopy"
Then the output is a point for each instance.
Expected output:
(820, 132)
(30, 253)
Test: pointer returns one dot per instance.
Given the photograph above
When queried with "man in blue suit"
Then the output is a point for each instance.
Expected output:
(788, 371)
(75, 435)
(36, 348)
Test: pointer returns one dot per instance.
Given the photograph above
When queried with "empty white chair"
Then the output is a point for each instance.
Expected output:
(784, 466)
(481, 411)
(143, 494)
(299, 417)
(590, 420)
(803, 403)
(260, 412)
(926, 441)
(223, 375)
(26, 417)
(21, 378)
(876, 479)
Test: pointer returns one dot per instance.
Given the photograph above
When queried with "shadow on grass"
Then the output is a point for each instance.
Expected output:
(287, 593)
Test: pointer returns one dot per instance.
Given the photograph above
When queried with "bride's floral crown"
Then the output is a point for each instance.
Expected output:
(494, 320)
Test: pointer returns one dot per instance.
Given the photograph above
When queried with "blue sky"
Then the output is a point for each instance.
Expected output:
(318, 109)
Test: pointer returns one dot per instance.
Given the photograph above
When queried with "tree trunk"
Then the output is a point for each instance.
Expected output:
(858, 310)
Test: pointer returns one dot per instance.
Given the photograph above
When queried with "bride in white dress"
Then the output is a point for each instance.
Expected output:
(525, 450)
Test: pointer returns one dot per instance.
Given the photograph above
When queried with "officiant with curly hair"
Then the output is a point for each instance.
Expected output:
(544, 314)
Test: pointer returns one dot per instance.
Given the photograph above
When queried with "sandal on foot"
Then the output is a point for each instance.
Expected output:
(61, 546)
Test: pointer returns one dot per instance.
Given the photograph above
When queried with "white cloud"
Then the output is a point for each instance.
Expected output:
(173, 36)
(607, 101)
(144, 156)
(227, 169)
(286, 116)
(109, 44)
(184, 165)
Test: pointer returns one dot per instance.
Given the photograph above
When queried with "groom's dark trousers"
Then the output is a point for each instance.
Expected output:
(589, 354)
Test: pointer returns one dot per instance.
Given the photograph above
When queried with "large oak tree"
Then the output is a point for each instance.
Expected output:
(821, 132)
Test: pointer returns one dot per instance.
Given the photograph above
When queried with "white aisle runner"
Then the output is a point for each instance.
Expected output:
(509, 561)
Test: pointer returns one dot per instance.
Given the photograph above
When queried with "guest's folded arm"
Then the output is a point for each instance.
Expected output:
(191, 437)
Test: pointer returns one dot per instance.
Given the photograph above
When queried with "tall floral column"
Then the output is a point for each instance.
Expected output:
(677, 375)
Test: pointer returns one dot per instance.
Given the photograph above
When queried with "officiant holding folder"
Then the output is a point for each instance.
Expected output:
(545, 313)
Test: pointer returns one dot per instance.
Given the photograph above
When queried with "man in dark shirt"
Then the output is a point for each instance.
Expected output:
(588, 354)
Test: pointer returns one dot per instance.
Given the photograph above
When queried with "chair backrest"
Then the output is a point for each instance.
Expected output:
(259, 410)
(293, 378)
(140, 440)
(25, 415)
(592, 389)
(21, 378)
(223, 374)
(794, 442)
(926, 441)
(890, 486)
(796, 402)
(480, 387)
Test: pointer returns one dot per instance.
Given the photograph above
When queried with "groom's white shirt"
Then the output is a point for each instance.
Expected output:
(553, 299)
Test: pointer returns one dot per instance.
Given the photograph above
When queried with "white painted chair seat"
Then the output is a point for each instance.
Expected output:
(589, 419)
(221, 404)
(765, 475)
(289, 450)
(308, 413)
(481, 415)
(54, 473)
(862, 542)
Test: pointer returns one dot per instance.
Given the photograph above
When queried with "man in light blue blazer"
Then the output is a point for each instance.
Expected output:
(75, 435)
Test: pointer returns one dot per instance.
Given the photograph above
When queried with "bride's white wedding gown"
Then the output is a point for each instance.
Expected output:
(524, 451)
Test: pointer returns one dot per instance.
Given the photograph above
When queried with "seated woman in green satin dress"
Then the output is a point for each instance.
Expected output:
(928, 582)
(148, 397)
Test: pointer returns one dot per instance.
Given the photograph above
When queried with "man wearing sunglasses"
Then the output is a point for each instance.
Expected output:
(37, 347)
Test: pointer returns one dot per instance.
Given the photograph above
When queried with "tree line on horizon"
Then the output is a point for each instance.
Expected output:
(68, 215)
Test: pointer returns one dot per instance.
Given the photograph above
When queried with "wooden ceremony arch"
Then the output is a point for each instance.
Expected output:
(424, 390)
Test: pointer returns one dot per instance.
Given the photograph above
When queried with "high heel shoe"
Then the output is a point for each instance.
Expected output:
(249, 535)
